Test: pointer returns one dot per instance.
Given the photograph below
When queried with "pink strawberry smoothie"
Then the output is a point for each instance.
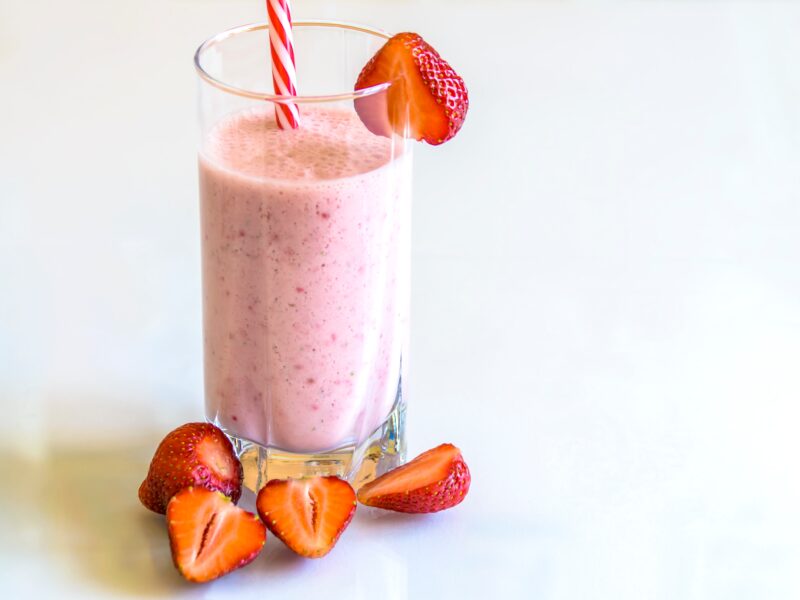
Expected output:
(305, 278)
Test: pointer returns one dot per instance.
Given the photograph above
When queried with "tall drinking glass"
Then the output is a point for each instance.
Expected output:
(305, 253)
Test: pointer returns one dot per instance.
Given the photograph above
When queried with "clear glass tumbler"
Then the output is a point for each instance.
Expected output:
(305, 252)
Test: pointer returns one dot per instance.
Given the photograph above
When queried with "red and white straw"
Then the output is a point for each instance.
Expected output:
(284, 75)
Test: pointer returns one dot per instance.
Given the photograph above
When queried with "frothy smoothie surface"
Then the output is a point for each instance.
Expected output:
(331, 144)
(305, 277)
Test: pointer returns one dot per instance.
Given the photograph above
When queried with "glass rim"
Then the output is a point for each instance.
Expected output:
(281, 99)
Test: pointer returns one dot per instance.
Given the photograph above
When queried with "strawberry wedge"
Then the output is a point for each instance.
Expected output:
(436, 480)
(209, 536)
(308, 515)
(427, 99)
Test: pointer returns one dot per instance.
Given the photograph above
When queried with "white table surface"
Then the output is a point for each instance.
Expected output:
(606, 304)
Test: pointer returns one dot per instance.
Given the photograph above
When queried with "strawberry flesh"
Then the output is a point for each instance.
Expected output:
(427, 99)
(308, 515)
(436, 480)
(194, 454)
(210, 536)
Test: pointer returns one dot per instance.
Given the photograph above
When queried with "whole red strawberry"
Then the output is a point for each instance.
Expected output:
(195, 454)
(427, 99)
(436, 480)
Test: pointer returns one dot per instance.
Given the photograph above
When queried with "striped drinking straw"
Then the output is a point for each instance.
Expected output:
(284, 74)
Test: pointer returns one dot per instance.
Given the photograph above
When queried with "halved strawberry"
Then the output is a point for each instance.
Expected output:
(193, 454)
(435, 480)
(427, 99)
(209, 535)
(308, 515)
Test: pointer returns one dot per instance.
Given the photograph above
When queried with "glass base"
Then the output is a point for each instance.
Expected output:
(385, 449)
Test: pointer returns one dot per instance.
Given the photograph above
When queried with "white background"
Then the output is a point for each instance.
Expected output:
(606, 304)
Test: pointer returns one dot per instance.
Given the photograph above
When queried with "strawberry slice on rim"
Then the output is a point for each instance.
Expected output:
(308, 515)
(427, 100)
(210, 536)
(436, 480)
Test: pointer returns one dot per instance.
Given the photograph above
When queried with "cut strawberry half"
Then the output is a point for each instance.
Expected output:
(436, 480)
(427, 99)
(209, 535)
(308, 515)
(194, 454)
